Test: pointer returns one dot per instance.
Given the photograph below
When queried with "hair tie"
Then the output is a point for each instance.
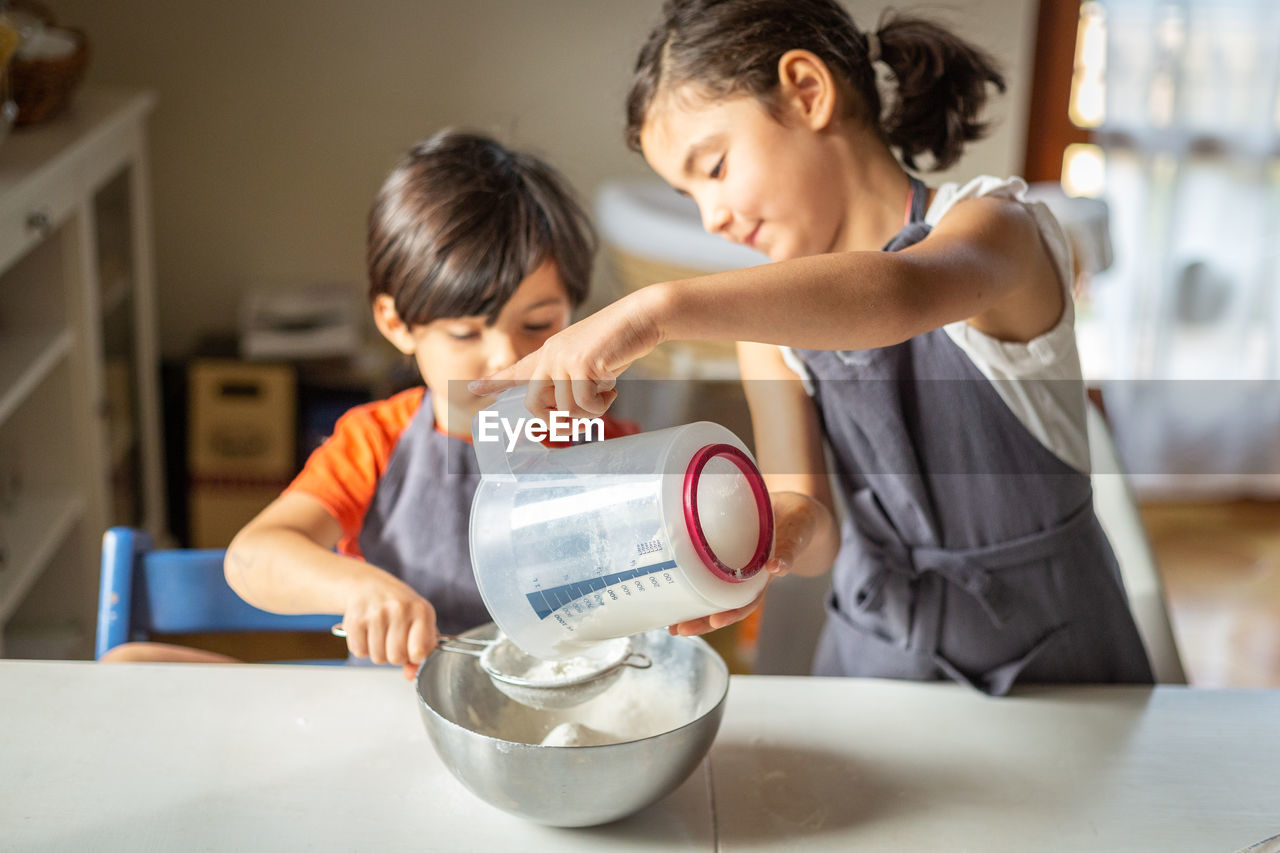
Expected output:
(873, 46)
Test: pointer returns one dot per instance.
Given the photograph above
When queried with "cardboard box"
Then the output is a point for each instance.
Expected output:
(219, 509)
(242, 420)
(241, 444)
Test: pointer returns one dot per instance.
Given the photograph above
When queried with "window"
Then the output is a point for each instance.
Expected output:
(1170, 113)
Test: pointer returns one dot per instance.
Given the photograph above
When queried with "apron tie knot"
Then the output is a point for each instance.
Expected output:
(991, 593)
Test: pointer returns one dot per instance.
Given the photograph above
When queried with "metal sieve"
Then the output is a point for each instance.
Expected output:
(539, 683)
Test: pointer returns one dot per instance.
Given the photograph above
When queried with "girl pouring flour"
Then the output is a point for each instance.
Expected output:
(932, 327)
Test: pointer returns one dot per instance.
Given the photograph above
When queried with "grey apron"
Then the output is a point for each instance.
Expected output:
(416, 525)
(971, 551)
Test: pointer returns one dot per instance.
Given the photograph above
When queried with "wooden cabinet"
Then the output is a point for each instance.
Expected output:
(80, 443)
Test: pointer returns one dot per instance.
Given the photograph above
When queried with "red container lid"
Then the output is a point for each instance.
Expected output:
(764, 509)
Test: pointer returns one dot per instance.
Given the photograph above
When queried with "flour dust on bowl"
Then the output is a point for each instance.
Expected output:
(575, 545)
(592, 763)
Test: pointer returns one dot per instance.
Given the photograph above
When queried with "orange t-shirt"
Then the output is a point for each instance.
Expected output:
(343, 472)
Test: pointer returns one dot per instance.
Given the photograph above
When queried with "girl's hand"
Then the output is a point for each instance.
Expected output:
(575, 369)
(796, 518)
(694, 627)
(388, 622)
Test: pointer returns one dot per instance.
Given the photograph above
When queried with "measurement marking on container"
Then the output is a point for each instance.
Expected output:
(548, 601)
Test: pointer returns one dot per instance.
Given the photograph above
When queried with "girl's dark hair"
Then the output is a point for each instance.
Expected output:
(732, 47)
(461, 221)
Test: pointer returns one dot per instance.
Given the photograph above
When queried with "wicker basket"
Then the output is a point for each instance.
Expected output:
(42, 88)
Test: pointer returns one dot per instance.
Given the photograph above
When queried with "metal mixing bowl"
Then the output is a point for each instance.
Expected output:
(492, 744)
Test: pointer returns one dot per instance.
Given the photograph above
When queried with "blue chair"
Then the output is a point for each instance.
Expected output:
(145, 591)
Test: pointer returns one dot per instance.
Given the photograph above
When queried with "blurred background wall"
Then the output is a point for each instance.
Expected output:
(277, 120)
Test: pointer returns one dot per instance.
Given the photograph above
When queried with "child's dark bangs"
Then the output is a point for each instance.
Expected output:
(476, 289)
(479, 277)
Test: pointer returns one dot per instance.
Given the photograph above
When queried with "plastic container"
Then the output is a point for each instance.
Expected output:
(575, 545)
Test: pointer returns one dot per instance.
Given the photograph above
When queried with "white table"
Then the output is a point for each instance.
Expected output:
(843, 764)
(186, 757)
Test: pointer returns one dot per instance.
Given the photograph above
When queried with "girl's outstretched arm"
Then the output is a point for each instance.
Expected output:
(984, 263)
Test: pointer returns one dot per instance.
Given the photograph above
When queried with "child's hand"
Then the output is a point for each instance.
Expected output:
(575, 369)
(795, 519)
(388, 622)
(694, 627)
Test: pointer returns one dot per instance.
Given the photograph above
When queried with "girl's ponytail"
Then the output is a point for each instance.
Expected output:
(732, 47)
(941, 88)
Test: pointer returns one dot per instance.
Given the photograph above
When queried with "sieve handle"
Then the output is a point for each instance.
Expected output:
(463, 645)
(637, 661)
(448, 642)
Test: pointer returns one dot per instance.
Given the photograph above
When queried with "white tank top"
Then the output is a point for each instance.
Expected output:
(1053, 411)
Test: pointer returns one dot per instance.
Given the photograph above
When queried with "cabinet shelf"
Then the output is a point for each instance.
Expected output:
(26, 358)
(30, 533)
(54, 641)
(120, 444)
(80, 437)
(116, 293)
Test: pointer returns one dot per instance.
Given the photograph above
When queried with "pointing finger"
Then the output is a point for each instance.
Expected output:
(508, 377)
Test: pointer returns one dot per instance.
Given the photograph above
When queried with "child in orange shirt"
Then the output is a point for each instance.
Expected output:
(476, 255)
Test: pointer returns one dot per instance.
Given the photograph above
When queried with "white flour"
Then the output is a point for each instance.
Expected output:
(641, 703)
(508, 659)
(576, 734)
(638, 706)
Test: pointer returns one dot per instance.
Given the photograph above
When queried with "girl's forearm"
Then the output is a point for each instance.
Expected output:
(853, 300)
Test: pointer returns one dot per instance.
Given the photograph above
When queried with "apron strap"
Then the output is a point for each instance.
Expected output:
(999, 679)
(914, 228)
(975, 571)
